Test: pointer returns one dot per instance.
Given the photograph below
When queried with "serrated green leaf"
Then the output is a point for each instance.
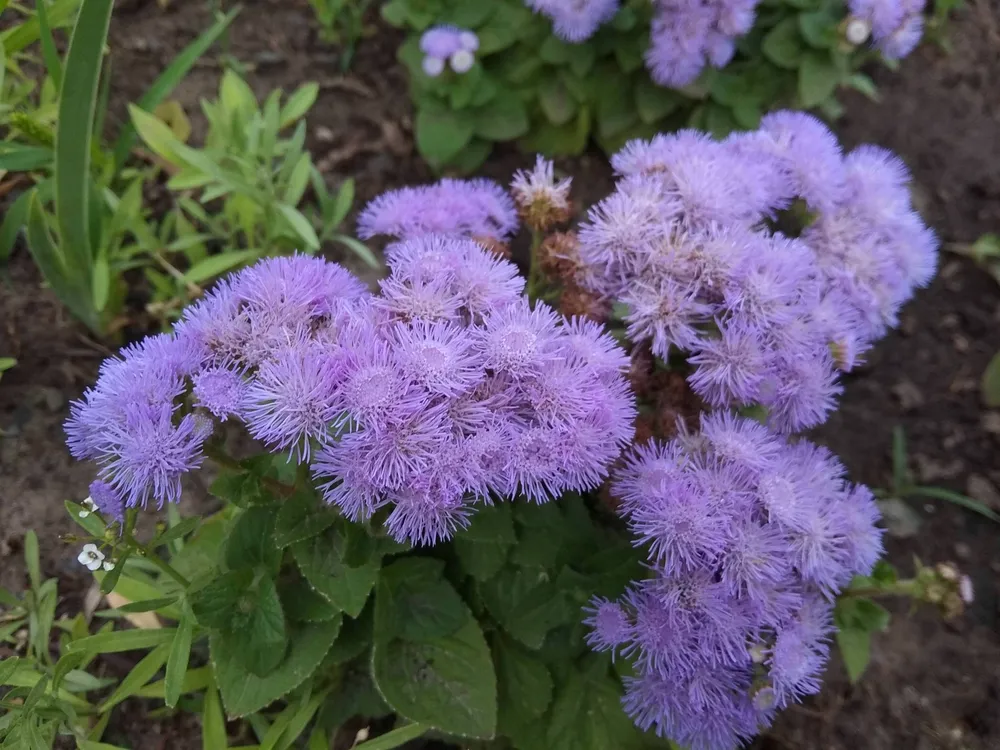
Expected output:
(302, 604)
(446, 683)
(783, 44)
(524, 682)
(258, 631)
(215, 605)
(527, 604)
(416, 603)
(300, 517)
(587, 715)
(244, 693)
(321, 560)
(250, 542)
(818, 79)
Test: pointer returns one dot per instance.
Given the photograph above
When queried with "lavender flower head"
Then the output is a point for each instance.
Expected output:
(896, 25)
(575, 20)
(448, 44)
(469, 208)
(541, 200)
(687, 243)
(445, 391)
(749, 538)
(687, 35)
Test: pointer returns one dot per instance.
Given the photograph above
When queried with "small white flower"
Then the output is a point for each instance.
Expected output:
(462, 61)
(108, 566)
(89, 507)
(758, 653)
(91, 557)
(857, 31)
(433, 66)
(965, 590)
(468, 41)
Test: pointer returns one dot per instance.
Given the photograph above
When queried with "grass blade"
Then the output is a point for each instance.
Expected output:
(939, 493)
(395, 738)
(141, 673)
(177, 662)
(213, 723)
(49, 54)
(74, 132)
(169, 78)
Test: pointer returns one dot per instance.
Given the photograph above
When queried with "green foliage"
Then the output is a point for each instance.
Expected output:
(856, 619)
(341, 23)
(551, 96)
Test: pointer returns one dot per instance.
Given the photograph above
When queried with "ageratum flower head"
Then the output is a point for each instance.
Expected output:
(687, 243)
(469, 208)
(687, 35)
(749, 537)
(896, 25)
(445, 391)
(575, 20)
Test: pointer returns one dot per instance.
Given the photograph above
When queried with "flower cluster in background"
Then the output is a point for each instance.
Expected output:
(443, 391)
(895, 26)
(688, 242)
(575, 20)
(687, 35)
(749, 537)
(448, 45)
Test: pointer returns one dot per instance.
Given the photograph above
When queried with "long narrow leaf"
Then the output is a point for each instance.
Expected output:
(395, 738)
(141, 673)
(24, 35)
(169, 78)
(52, 62)
(126, 640)
(74, 132)
(939, 493)
(177, 662)
(213, 723)
(194, 680)
(14, 220)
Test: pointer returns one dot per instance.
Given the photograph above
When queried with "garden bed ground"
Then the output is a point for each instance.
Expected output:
(931, 684)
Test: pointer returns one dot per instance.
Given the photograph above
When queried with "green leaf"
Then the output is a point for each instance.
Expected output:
(483, 547)
(447, 683)
(818, 79)
(939, 493)
(509, 24)
(782, 45)
(155, 133)
(587, 715)
(177, 661)
(342, 203)
(74, 132)
(472, 156)
(819, 28)
(302, 604)
(565, 140)
(49, 53)
(301, 517)
(31, 559)
(855, 649)
(321, 560)
(123, 640)
(111, 577)
(215, 605)
(416, 603)
(49, 259)
(653, 102)
(141, 673)
(15, 157)
(395, 738)
(216, 265)
(251, 540)
(13, 222)
(149, 605)
(555, 51)
(360, 250)
(864, 84)
(178, 531)
(298, 181)
(441, 134)
(503, 119)
(194, 680)
(166, 82)
(244, 693)
(299, 103)
(527, 604)
(257, 631)
(213, 723)
(991, 382)
(556, 102)
(300, 225)
(524, 682)
(481, 560)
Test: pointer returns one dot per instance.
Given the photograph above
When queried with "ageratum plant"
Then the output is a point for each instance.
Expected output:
(552, 74)
(503, 524)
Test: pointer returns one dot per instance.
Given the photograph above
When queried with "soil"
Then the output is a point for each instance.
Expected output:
(931, 684)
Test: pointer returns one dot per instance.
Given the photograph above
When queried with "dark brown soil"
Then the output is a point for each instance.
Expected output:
(931, 684)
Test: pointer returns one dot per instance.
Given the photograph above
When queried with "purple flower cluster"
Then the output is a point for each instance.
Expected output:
(686, 243)
(575, 20)
(469, 208)
(749, 538)
(687, 35)
(443, 391)
(451, 45)
(896, 25)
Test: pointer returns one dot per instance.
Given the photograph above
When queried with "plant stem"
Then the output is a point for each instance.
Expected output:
(534, 269)
(900, 588)
(165, 567)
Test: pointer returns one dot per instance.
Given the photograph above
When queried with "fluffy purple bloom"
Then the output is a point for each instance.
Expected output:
(749, 537)
(220, 390)
(897, 25)
(107, 500)
(441, 41)
(687, 35)
(575, 20)
(468, 208)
